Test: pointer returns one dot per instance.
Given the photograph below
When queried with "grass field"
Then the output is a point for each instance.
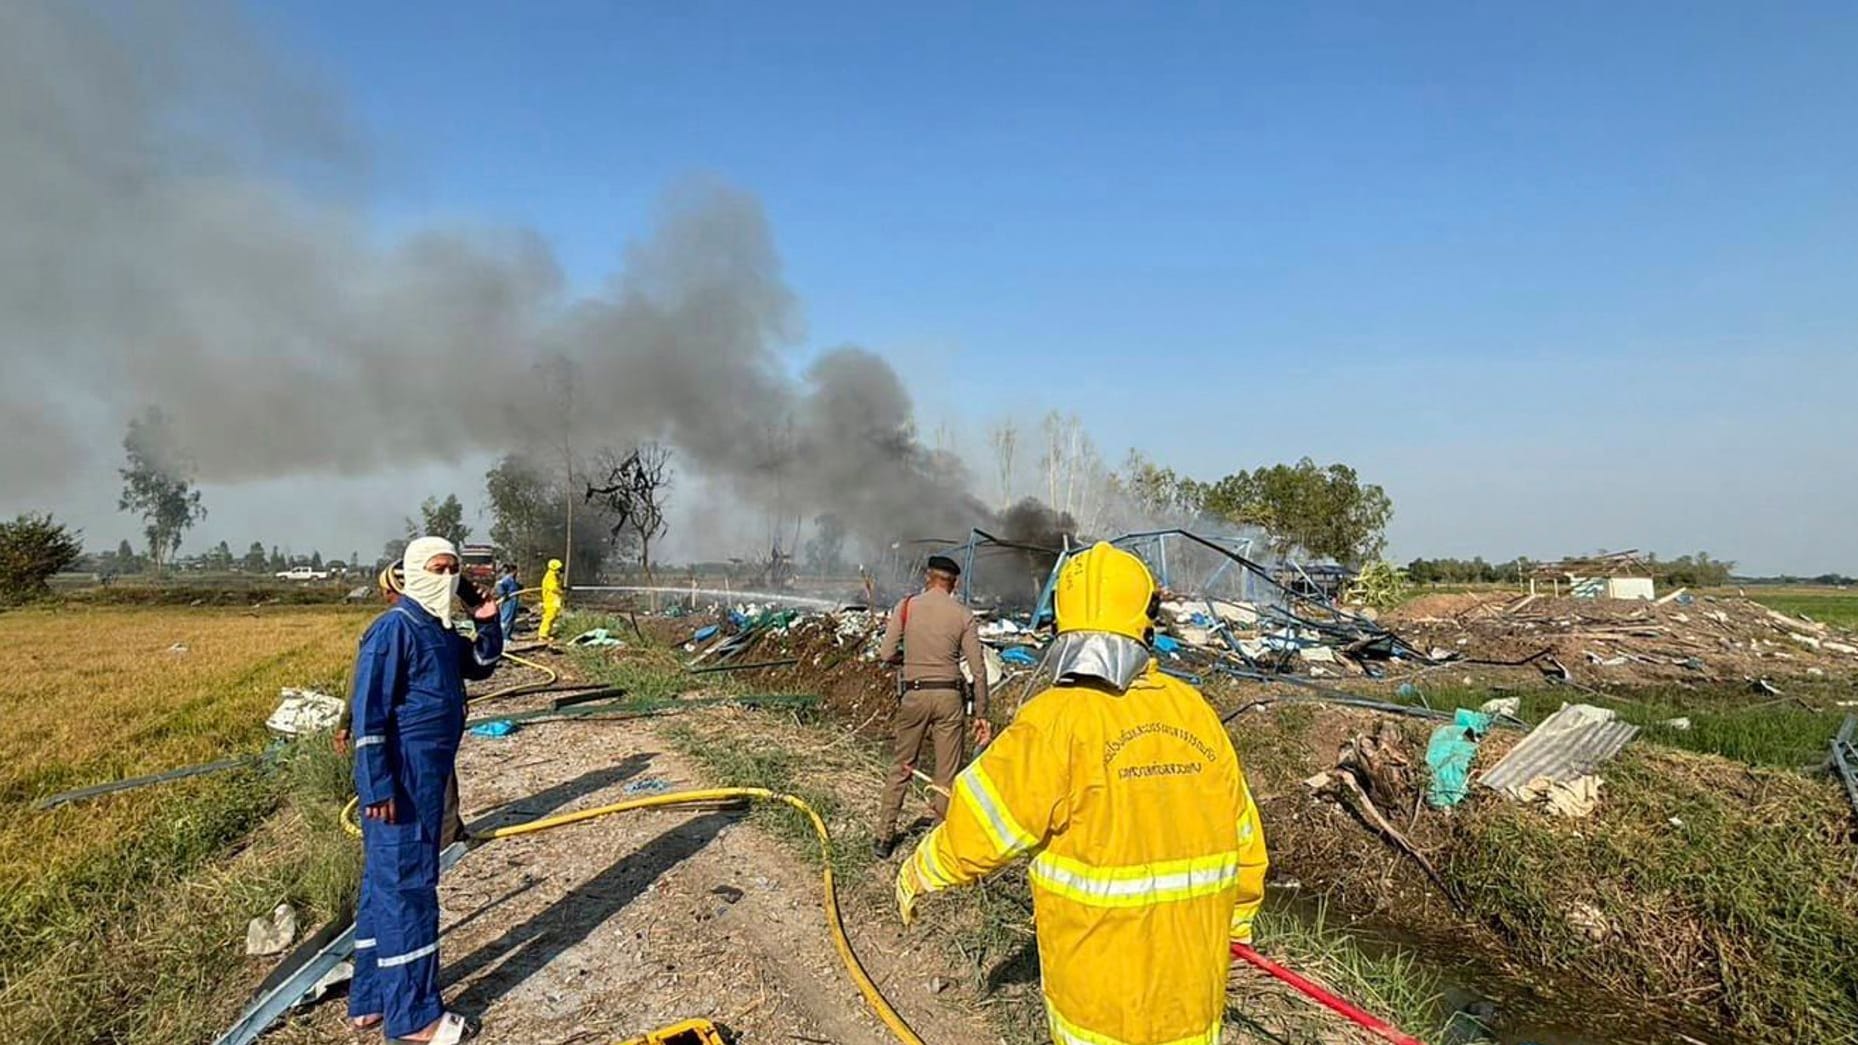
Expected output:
(1829, 605)
(1788, 732)
(122, 918)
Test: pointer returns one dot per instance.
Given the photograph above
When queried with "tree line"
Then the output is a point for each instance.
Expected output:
(1700, 570)
(613, 503)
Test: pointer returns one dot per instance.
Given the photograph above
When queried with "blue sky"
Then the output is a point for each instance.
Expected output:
(1559, 277)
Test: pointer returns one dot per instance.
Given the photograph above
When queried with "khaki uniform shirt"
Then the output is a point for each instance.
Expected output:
(941, 634)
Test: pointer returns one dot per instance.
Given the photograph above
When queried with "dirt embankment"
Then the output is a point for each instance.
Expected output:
(1702, 896)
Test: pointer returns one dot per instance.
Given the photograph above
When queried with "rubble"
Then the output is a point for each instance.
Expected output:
(272, 934)
(1570, 798)
(304, 711)
(1628, 641)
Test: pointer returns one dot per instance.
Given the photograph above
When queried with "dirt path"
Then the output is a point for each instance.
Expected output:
(596, 931)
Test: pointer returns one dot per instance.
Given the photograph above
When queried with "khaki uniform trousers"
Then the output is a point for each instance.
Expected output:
(933, 715)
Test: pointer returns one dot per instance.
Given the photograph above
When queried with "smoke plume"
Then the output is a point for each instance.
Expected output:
(157, 255)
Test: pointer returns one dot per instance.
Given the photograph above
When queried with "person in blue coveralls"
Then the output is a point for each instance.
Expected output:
(509, 607)
(408, 699)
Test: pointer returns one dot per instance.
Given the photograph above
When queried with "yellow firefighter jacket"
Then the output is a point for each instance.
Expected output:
(1147, 855)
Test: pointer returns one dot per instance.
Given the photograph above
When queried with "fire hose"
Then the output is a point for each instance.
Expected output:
(862, 980)
(873, 997)
(520, 687)
(1317, 993)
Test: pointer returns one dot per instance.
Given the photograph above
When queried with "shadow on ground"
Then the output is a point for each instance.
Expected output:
(525, 949)
(548, 800)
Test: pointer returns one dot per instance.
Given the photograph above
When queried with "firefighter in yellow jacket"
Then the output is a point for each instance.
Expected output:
(1121, 785)
(551, 599)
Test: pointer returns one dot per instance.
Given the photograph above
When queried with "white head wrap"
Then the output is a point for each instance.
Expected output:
(434, 591)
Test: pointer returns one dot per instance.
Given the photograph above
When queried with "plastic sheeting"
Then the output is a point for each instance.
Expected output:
(1449, 754)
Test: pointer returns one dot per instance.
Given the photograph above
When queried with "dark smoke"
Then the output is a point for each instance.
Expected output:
(1032, 522)
(152, 257)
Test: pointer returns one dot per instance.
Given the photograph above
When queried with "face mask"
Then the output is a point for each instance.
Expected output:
(433, 591)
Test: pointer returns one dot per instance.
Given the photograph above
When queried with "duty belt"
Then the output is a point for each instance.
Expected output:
(916, 684)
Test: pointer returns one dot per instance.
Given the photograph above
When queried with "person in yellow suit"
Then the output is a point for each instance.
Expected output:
(551, 599)
(1120, 783)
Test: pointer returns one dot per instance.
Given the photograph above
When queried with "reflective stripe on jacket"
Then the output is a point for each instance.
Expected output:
(1147, 855)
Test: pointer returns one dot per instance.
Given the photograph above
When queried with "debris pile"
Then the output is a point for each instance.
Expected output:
(1703, 639)
(301, 712)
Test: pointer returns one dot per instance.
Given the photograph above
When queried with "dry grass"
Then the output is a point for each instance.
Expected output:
(93, 695)
(111, 908)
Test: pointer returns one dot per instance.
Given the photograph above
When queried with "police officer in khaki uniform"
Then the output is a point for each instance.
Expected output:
(935, 633)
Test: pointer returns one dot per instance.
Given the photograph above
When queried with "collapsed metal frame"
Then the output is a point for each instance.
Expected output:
(1235, 551)
(1295, 618)
(965, 551)
(1844, 758)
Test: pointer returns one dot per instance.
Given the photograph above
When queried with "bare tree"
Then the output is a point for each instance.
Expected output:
(1071, 462)
(1077, 449)
(1053, 426)
(636, 491)
(1004, 438)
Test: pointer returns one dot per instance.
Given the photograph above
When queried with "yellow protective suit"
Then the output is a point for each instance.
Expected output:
(1147, 855)
(551, 599)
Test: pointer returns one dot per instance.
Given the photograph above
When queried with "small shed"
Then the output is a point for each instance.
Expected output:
(1610, 575)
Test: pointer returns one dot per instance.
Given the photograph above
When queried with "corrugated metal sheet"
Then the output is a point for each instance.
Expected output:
(1565, 746)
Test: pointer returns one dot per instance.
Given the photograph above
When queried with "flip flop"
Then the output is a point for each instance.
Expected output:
(359, 1023)
(452, 1029)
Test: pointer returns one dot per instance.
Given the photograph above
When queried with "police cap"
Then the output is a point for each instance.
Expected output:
(944, 564)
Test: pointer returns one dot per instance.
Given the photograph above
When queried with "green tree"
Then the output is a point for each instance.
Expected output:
(255, 558)
(126, 559)
(1325, 512)
(825, 550)
(158, 486)
(32, 549)
(394, 550)
(316, 560)
(1692, 571)
(220, 558)
(529, 525)
(445, 519)
(278, 563)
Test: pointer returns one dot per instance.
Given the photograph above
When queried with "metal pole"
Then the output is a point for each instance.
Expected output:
(967, 570)
(567, 459)
(266, 1008)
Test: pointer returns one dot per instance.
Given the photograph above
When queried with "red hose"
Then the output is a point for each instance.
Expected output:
(1319, 994)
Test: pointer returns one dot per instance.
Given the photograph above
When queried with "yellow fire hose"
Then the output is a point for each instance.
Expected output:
(862, 980)
(520, 687)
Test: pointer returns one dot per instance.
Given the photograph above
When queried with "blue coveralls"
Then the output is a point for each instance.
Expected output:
(508, 607)
(409, 710)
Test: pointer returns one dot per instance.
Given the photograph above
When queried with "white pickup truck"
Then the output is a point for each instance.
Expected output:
(302, 573)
